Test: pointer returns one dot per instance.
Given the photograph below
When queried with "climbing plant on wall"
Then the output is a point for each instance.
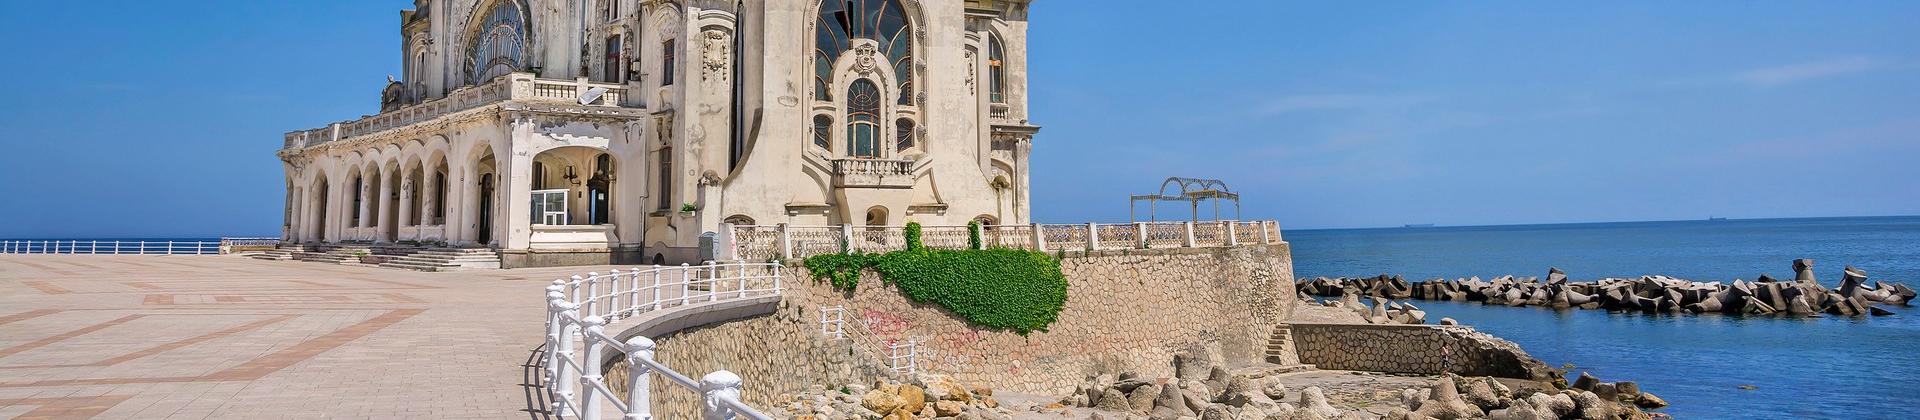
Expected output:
(1009, 289)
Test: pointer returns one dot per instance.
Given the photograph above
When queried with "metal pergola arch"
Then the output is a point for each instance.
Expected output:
(1192, 191)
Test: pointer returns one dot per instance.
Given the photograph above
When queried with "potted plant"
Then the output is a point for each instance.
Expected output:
(368, 258)
(687, 209)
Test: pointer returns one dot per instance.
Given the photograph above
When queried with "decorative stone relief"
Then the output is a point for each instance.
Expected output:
(973, 68)
(715, 57)
(864, 60)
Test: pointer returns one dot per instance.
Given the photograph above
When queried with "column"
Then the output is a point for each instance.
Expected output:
(384, 219)
(406, 202)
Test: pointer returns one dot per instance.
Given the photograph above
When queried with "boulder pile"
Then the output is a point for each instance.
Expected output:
(1802, 296)
(1454, 397)
(1218, 396)
(939, 398)
(1382, 312)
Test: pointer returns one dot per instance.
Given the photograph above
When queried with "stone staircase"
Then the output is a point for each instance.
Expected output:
(1281, 353)
(446, 259)
(279, 253)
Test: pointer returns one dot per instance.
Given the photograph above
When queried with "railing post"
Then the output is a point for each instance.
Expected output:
(1189, 238)
(776, 278)
(169, 248)
(1264, 237)
(1039, 237)
(1093, 236)
(786, 241)
(1232, 239)
(590, 366)
(93, 247)
(1140, 234)
(713, 280)
(715, 386)
(613, 293)
(686, 284)
(639, 405)
(573, 287)
(593, 294)
(563, 385)
(741, 273)
(657, 301)
(556, 299)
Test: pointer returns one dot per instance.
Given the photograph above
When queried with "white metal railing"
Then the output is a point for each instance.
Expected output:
(579, 309)
(99, 247)
(763, 243)
(903, 355)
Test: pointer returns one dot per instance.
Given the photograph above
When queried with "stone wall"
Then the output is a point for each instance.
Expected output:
(1421, 349)
(1126, 310)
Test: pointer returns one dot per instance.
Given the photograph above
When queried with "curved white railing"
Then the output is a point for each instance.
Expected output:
(579, 309)
(91, 247)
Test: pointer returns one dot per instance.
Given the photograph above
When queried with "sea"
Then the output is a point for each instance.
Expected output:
(1706, 366)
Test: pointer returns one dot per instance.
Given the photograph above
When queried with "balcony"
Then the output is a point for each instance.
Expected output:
(872, 173)
(522, 87)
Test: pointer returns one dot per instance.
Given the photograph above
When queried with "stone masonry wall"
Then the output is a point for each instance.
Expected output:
(1126, 310)
(1421, 349)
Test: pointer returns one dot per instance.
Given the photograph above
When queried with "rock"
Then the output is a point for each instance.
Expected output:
(899, 414)
(881, 401)
(1241, 391)
(1128, 384)
(1445, 403)
(1803, 270)
(1584, 382)
(1592, 407)
(1448, 321)
(1141, 399)
(1113, 400)
(1628, 391)
(1607, 391)
(1799, 307)
(1216, 412)
(945, 408)
(1412, 398)
(1649, 401)
(1560, 404)
(1273, 389)
(1876, 311)
(1478, 393)
(1194, 363)
(913, 398)
(1217, 382)
(1170, 398)
(1314, 400)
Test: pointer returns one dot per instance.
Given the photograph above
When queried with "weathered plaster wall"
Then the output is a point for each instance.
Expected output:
(1422, 349)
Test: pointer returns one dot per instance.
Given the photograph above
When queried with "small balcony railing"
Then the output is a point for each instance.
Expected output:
(859, 172)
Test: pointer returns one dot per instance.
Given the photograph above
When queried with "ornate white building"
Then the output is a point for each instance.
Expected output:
(596, 131)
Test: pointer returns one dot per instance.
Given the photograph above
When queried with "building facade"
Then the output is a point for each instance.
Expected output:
(601, 131)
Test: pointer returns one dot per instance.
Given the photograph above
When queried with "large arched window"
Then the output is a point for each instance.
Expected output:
(996, 70)
(883, 21)
(863, 119)
(497, 43)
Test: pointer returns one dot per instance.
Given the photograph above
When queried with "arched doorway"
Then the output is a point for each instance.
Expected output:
(483, 180)
(572, 185)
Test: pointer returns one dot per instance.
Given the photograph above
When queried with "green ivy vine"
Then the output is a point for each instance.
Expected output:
(1008, 289)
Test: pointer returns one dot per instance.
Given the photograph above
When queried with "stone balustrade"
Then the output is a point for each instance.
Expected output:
(522, 87)
(885, 173)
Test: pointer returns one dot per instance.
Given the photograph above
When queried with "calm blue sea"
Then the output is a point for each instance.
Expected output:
(1841, 368)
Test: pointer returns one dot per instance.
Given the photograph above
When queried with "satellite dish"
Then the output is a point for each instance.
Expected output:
(592, 95)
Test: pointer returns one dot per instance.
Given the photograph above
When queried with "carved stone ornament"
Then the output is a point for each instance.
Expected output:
(864, 60)
(715, 55)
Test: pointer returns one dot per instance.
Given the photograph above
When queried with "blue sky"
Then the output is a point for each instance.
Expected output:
(128, 118)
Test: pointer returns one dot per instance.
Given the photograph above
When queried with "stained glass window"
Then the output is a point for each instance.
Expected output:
(883, 21)
(863, 119)
(822, 131)
(903, 134)
(496, 46)
(666, 63)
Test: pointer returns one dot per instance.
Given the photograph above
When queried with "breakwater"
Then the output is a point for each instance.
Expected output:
(1802, 296)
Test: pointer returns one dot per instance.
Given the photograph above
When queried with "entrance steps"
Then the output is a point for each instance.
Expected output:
(279, 253)
(446, 259)
(1280, 353)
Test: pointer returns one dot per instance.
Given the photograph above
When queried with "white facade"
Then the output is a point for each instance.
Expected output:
(578, 131)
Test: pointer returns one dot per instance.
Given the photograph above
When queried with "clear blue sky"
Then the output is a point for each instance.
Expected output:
(140, 118)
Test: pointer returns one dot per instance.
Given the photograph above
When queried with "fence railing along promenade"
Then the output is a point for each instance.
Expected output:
(114, 247)
(763, 243)
(579, 310)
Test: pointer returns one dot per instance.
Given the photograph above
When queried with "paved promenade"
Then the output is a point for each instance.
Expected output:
(153, 337)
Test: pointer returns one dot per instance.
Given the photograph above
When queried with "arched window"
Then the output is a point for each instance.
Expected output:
(863, 119)
(883, 21)
(738, 220)
(496, 45)
(823, 131)
(903, 134)
(996, 70)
